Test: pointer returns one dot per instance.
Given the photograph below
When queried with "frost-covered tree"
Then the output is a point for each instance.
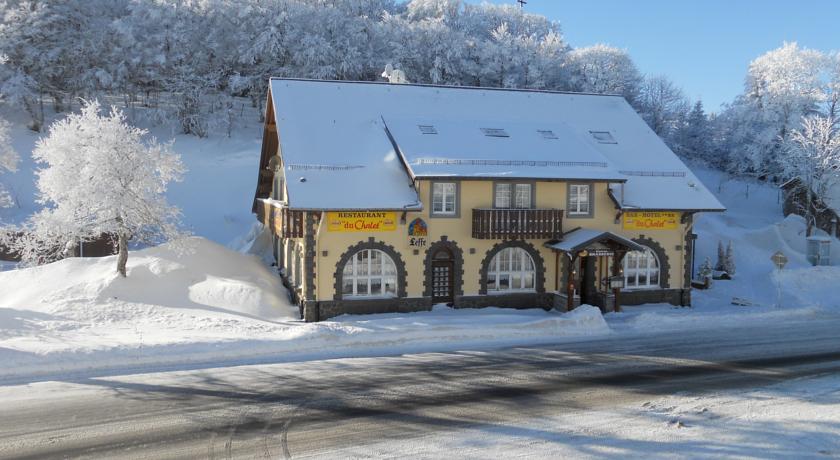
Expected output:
(813, 159)
(100, 177)
(605, 70)
(664, 107)
(8, 163)
(781, 87)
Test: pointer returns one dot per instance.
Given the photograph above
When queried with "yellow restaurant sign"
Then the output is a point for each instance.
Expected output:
(361, 221)
(650, 220)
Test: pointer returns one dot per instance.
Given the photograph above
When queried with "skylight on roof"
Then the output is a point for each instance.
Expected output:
(603, 137)
(495, 132)
(427, 129)
(547, 134)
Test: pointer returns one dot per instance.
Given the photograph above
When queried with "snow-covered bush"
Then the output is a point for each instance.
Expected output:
(705, 271)
(100, 177)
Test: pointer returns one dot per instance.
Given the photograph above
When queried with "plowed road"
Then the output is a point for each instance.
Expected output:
(335, 408)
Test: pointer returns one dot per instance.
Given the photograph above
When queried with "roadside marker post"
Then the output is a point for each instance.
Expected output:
(779, 260)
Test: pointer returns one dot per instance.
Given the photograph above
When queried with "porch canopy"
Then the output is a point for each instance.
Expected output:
(593, 240)
(584, 244)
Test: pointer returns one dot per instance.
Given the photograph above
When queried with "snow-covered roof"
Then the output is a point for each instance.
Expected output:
(443, 146)
(582, 237)
(466, 132)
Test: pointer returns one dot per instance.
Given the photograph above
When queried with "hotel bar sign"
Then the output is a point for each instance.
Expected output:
(361, 221)
(640, 220)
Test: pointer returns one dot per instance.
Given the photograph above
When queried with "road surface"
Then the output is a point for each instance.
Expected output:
(340, 408)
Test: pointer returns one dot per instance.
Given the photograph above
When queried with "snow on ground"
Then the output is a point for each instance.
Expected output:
(208, 304)
(754, 223)
(795, 419)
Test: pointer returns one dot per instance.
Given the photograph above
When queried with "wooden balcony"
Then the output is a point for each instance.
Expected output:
(500, 224)
(282, 221)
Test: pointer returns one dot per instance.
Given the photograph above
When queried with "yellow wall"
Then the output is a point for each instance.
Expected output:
(479, 194)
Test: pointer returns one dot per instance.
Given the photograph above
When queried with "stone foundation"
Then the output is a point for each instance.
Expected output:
(320, 311)
(560, 302)
(678, 297)
(517, 301)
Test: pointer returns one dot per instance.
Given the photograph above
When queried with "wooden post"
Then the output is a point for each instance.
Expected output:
(616, 271)
(570, 287)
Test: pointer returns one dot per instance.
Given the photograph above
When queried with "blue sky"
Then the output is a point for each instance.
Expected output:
(705, 46)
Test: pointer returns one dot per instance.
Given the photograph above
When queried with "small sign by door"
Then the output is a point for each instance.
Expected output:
(417, 233)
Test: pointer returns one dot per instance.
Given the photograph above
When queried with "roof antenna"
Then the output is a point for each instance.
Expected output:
(394, 75)
(522, 3)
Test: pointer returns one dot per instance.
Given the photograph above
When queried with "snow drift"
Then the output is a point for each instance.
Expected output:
(209, 305)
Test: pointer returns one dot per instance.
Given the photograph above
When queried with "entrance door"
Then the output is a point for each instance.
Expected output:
(588, 289)
(443, 268)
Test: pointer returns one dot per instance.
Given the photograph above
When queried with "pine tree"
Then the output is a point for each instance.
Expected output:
(729, 260)
(695, 135)
(721, 257)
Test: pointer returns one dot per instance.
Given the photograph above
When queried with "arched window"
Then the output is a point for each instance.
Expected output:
(641, 270)
(511, 269)
(369, 273)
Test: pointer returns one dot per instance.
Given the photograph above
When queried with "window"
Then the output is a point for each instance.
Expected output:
(579, 200)
(369, 273)
(509, 195)
(494, 132)
(603, 137)
(522, 196)
(641, 270)
(427, 129)
(512, 269)
(444, 199)
(547, 134)
(502, 195)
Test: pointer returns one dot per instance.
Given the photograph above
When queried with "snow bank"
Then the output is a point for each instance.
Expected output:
(211, 305)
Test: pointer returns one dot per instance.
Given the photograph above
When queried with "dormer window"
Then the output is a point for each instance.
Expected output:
(495, 132)
(603, 137)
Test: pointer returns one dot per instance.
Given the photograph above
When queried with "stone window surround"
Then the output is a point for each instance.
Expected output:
(371, 243)
(539, 265)
(458, 259)
(647, 271)
(664, 264)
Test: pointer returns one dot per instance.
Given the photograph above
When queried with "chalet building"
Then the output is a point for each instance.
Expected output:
(395, 197)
